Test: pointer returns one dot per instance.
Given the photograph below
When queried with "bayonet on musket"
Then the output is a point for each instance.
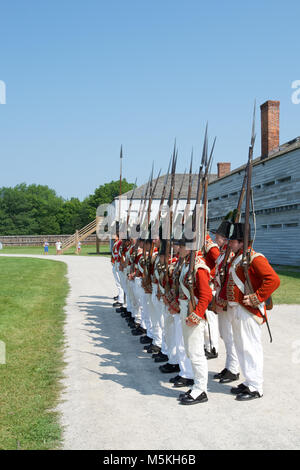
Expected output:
(195, 216)
(178, 196)
(170, 219)
(120, 188)
(204, 202)
(130, 202)
(247, 250)
(147, 273)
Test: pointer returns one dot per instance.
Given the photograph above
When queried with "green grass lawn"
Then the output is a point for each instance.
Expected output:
(32, 296)
(289, 289)
(86, 250)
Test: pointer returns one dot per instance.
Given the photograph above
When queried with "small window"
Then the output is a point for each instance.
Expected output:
(216, 198)
(285, 180)
(234, 194)
(291, 224)
(258, 186)
(225, 196)
(275, 226)
(264, 227)
(270, 183)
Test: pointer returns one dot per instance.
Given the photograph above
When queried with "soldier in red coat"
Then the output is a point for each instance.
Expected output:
(193, 324)
(231, 369)
(248, 312)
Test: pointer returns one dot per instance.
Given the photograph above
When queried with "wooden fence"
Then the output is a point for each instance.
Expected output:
(38, 240)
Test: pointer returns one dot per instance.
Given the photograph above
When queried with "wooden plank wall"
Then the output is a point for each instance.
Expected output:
(276, 188)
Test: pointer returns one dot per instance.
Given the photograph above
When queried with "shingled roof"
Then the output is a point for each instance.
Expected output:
(178, 181)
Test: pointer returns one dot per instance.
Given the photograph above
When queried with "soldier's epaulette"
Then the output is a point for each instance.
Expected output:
(209, 244)
(200, 264)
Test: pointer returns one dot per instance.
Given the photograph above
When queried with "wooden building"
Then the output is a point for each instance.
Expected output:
(276, 191)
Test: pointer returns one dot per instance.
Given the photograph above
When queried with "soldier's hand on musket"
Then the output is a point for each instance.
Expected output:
(189, 322)
(247, 301)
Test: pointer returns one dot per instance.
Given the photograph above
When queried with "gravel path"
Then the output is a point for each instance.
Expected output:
(116, 398)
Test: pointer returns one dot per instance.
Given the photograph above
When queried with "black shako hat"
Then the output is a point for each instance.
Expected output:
(238, 232)
(224, 229)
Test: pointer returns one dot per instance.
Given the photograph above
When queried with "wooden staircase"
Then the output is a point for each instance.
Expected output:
(79, 236)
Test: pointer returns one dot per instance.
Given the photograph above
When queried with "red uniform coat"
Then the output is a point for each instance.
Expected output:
(202, 290)
(263, 278)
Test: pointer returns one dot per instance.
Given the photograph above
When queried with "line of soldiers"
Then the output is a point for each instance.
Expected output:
(154, 299)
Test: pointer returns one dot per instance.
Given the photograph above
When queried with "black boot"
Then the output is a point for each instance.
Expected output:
(183, 382)
(160, 357)
(153, 349)
(189, 400)
(138, 331)
(169, 368)
(229, 377)
(146, 340)
(220, 374)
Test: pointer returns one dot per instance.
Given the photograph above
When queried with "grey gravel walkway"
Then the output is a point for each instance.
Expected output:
(116, 398)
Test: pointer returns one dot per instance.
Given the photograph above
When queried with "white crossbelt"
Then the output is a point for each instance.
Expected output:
(240, 284)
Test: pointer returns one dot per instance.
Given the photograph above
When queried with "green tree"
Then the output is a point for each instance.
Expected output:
(38, 210)
(104, 194)
(26, 210)
(70, 216)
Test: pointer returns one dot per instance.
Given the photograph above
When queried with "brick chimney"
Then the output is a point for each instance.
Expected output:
(269, 127)
(223, 169)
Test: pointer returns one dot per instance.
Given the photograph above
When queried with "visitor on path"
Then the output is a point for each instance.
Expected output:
(58, 247)
(46, 247)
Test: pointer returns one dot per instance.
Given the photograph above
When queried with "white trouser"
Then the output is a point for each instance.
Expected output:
(139, 308)
(134, 300)
(162, 314)
(211, 335)
(164, 348)
(127, 292)
(146, 320)
(131, 302)
(123, 285)
(118, 284)
(185, 365)
(247, 340)
(225, 327)
(155, 317)
(170, 336)
(194, 345)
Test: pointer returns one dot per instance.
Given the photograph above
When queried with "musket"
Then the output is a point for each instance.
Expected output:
(141, 204)
(246, 251)
(158, 217)
(144, 203)
(204, 202)
(120, 188)
(170, 220)
(178, 196)
(163, 194)
(178, 267)
(152, 192)
(130, 202)
(189, 194)
(147, 272)
(149, 186)
(235, 220)
(190, 274)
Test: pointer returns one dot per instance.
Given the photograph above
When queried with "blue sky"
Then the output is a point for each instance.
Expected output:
(84, 77)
